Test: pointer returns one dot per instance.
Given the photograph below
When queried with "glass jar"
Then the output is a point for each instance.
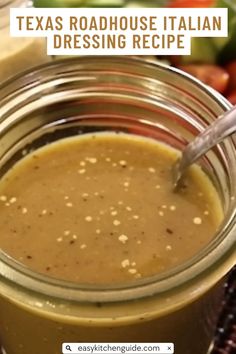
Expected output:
(18, 54)
(81, 95)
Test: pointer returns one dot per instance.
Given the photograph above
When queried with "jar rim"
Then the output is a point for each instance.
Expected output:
(220, 248)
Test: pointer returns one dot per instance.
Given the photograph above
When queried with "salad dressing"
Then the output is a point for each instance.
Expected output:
(104, 201)
(19, 54)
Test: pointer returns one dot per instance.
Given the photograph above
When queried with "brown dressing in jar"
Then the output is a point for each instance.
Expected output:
(100, 209)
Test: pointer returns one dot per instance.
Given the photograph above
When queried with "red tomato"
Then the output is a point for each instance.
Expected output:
(191, 3)
(211, 75)
(232, 97)
(175, 60)
(231, 70)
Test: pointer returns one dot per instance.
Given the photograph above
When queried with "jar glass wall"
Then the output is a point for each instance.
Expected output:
(71, 98)
(18, 54)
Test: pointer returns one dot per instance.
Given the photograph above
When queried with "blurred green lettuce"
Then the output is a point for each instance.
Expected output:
(100, 3)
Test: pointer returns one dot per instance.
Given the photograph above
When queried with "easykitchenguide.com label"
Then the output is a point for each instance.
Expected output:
(118, 348)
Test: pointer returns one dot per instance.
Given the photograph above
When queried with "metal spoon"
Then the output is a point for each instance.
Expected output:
(222, 127)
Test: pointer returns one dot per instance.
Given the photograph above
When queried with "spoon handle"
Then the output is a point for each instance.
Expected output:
(214, 134)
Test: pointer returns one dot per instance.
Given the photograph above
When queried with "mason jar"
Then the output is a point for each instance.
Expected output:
(73, 97)
(18, 54)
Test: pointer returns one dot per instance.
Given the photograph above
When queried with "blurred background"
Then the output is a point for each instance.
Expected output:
(213, 60)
